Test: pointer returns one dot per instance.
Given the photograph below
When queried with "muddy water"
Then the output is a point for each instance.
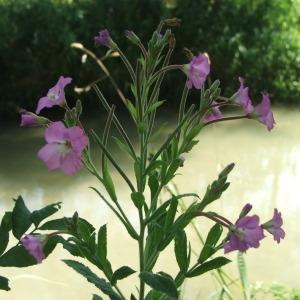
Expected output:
(267, 174)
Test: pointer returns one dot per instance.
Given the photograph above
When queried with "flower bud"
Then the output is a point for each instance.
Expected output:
(172, 41)
(172, 22)
(246, 209)
(227, 170)
(31, 119)
(132, 37)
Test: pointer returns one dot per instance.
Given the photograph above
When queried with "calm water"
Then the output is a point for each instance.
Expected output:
(267, 174)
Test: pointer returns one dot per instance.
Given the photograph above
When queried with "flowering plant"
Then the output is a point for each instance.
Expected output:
(160, 222)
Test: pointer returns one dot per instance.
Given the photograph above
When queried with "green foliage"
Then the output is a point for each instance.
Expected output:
(257, 40)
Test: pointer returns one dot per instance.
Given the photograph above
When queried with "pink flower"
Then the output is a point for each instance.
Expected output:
(246, 233)
(197, 71)
(242, 97)
(262, 113)
(274, 226)
(64, 148)
(104, 39)
(31, 119)
(55, 96)
(213, 114)
(34, 244)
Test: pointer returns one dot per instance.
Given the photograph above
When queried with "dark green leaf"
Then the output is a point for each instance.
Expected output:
(100, 283)
(21, 218)
(215, 263)
(153, 166)
(96, 297)
(171, 213)
(209, 246)
(121, 273)
(57, 224)
(5, 227)
(160, 283)
(181, 252)
(153, 184)
(102, 245)
(4, 284)
(38, 216)
(138, 199)
(17, 256)
(171, 170)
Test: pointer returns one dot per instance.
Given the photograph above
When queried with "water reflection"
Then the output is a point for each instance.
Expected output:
(267, 174)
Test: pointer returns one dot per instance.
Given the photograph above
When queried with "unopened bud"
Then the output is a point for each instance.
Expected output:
(172, 41)
(246, 209)
(227, 170)
(132, 37)
(78, 107)
(215, 85)
(172, 22)
(30, 119)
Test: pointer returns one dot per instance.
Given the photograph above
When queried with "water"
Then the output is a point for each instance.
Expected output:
(266, 174)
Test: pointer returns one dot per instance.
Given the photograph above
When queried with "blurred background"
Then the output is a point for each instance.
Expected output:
(255, 39)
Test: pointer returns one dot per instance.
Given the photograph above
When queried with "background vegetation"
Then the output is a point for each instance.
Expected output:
(258, 40)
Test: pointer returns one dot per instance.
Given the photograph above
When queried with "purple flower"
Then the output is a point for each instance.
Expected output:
(64, 148)
(34, 244)
(213, 114)
(262, 113)
(55, 96)
(104, 39)
(182, 158)
(246, 233)
(274, 226)
(197, 71)
(31, 119)
(242, 97)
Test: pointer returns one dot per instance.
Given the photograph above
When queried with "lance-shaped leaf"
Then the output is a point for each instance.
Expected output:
(102, 245)
(100, 283)
(181, 250)
(215, 263)
(209, 246)
(160, 283)
(38, 216)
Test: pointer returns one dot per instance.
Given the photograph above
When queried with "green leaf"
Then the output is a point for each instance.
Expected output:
(84, 231)
(153, 166)
(5, 227)
(109, 185)
(209, 246)
(171, 214)
(123, 147)
(91, 277)
(215, 263)
(171, 170)
(4, 284)
(154, 106)
(160, 283)
(138, 199)
(181, 252)
(193, 133)
(38, 216)
(17, 256)
(102, 245)
(57, 224)
(132, 110)
(96, 297)
(153, 184)
(21, 218)
(121, 273)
